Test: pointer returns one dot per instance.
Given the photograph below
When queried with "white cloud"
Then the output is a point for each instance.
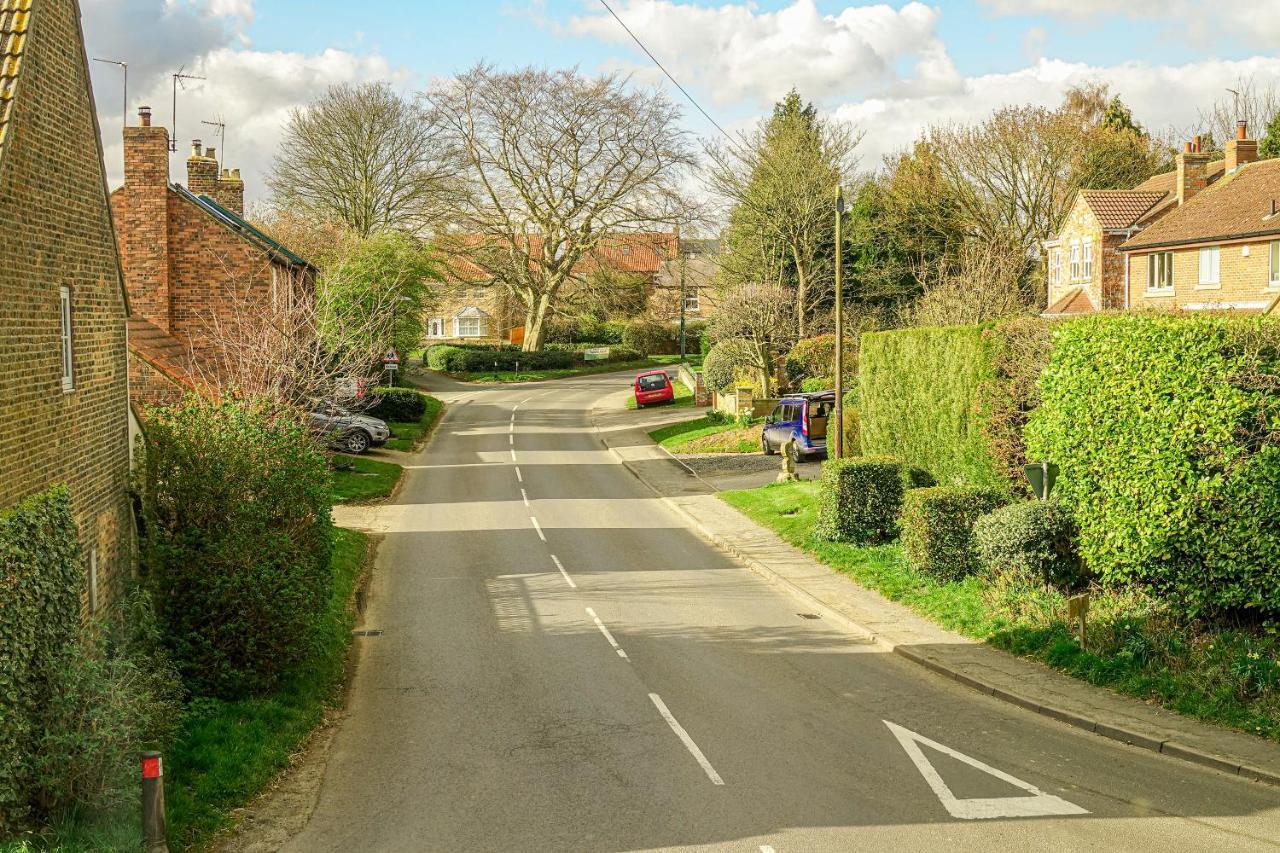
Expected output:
(251, 90)
(738, 53)
(1256, 22)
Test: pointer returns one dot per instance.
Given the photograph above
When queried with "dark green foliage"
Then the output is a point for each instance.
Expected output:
(398, 404)
(1019, 351)
(616, 353)
(647, 336)
(1033, 536)
(236, 504)
(1164, 430)
(1269, 144)
(451, 359)
(723, 363)
(937, 528)
(917, 478)
(40, 581)
(859, 499)
(815, 358)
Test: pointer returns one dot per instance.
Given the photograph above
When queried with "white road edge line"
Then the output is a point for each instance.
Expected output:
(560, 566)
(519, 476)
(603, 630)
(765, 848)
(525, 496)
(686, 740)
(538, 527)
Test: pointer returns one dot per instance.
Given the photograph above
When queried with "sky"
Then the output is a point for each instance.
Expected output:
(889, 68)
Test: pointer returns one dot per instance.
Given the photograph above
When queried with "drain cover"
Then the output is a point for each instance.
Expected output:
(367, 632)
(808, 615)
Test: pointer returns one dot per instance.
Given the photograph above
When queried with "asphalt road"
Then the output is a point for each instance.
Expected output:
(566, 667)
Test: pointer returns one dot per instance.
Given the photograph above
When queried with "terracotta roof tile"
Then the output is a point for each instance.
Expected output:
(162, 351)
(1167, 182)
(15, 20)
(1121, 208)
(1237, 206)
(1075, 302)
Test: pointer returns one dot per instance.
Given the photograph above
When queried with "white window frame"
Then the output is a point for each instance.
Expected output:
(1055, 269)
(1160, 273)
(692, 302)
(1086, 262)
(93, 580)
(1075, 262)
(67, 340)
(439, 325)
(1210, 258)
(1273, 279)
(464, 331)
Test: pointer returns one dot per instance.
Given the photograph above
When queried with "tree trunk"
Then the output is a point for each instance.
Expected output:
(535, 322)
(802, 295)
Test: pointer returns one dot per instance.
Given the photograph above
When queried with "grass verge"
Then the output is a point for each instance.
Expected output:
(363, 479)
(1227, 674)
(708, 434)
(683, 400)
(408, 435)
(507, 376)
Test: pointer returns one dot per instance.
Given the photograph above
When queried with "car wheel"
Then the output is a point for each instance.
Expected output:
(766, 446)
(356, 442)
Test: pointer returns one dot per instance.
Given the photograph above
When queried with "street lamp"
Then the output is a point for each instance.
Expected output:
(839, 442)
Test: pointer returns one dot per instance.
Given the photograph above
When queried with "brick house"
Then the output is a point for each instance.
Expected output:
(62, 330)
(1220, 250)
(192, 263)
(698, 264)
(1085, 266)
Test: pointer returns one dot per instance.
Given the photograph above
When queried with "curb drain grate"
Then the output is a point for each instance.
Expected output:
(367, 632)
(808, 615)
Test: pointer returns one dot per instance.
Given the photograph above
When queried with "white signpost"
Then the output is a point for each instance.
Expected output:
(596, 354)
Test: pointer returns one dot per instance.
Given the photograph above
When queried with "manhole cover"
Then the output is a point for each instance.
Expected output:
(367, 632)
(808, 615)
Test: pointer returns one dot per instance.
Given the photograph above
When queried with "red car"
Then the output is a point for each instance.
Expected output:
(653, 387)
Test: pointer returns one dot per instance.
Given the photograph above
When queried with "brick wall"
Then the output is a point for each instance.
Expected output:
(1243, 279)
(1080, 225)
(142, 224)
(57, 232)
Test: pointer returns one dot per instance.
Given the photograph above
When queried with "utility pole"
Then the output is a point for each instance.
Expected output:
(839, 443)
(680, 255)
(124, 66)
(177, 81)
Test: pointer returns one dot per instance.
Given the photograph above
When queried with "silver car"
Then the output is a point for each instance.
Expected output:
(345, 430)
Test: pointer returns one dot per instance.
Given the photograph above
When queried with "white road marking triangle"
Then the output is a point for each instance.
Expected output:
(1037, 804)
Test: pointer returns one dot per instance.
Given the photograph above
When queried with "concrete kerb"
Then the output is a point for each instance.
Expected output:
(1144, 740)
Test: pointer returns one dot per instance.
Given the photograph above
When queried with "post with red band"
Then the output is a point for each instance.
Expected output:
(153, 830)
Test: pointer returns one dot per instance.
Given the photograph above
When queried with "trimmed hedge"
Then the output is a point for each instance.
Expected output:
(648, 336)
(398, 404)
(937, 528)
(236, 504)
(451, 359)
(1033, 536)
(40, 581)
(859, 499)
(1165, 428)
(815, 358)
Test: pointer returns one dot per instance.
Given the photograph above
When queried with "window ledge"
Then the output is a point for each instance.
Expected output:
(1209, 285)
(1161, 292)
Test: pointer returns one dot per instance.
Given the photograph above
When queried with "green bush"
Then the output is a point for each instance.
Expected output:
(611, 331)
(1019, 352)
(398, 404)
(236, 505)
(1164, 428)
(1032, 536)
(40, 581)
(937, 528)
(648, 336)
(721, 365)
(859, 499)
(917, 478)
(451, 359)
(816, 358)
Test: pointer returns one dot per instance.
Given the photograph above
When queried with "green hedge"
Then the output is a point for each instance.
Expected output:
(236, 505)
(40, 581)
(953, 400)
(859, 499)
(1164, 428)
(937, 528)
(648, 336)
(1037, 537)
(453, 359)
(398, 404)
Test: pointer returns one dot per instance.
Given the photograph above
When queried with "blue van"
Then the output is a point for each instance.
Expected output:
(803, 417)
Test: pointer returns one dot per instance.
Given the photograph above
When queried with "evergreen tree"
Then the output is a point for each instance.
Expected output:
(1269, 145)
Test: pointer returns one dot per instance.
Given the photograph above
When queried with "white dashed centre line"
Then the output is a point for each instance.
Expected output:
(603, 630)
(538, 528)
(525, 496)
(513, 454)
(519, 476)
(765, 848)
(560, 566)
(686, 740)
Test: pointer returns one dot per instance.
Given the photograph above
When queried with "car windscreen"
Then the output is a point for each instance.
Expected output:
(652, 383)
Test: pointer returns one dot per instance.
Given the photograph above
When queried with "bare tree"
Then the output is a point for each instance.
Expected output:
(364, 156)
(554, 164)
(762, 317)
(983, 282)
(1246, 100)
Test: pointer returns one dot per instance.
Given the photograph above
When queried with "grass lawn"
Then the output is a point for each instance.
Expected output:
(366, 480)
(506, 376)
(683, 400)
(408, 436)
(708, 435)
(1227, 674)
(692, 358)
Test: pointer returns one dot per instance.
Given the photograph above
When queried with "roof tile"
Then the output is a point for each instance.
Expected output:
(1121, 208)
(1075, 302)
(15, 19)
(1237, 206)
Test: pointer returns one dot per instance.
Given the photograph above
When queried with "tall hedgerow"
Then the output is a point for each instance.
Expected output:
(1165, 431)
(237, 538)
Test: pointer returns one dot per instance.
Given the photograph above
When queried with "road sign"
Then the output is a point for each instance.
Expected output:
(596, 354)
(1036, 804)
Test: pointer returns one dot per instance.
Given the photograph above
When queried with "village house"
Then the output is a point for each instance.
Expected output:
(62, 330)
(1085, 265)
(1220, 250)
(690, 276)
(193, 266)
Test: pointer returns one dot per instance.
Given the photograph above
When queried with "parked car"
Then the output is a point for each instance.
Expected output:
(802, 417)
(346, 430)
(653, 387)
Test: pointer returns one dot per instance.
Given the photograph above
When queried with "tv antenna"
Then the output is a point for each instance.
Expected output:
(177, 83)
(124, 66)
(221, 125)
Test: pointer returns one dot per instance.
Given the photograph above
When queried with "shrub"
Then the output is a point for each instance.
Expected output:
(236, 504)
(1032, 536)
(917, 478)
(721, 365)
(452, 359)
(937, 528)
(611, 331)
(648, 336)
(817, 383)
(1164, 430)
(816, 358)
(398, 404)
(859, 499)
(1019, 352)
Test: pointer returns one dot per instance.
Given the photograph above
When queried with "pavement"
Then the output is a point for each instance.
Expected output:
(568, 661)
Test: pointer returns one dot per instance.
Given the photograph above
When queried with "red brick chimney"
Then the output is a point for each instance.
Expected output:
(230, 191)
(141, 212)
(1192, 174)
(202, 171)
(1241, 150)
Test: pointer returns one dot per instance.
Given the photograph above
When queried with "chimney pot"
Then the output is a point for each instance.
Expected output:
(209, 152)
(1195, 144)
(144, 116)
(235, 173)
(1242, 130)
(195, 148)
(1186, 147)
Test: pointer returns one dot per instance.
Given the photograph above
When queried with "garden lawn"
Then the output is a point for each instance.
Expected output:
(708, 435)
(366, 479)
(683, 400)
(506, 376)
(1224, 674)
(410, 435)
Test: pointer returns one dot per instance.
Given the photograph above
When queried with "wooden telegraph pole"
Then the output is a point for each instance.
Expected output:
(839, 412)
